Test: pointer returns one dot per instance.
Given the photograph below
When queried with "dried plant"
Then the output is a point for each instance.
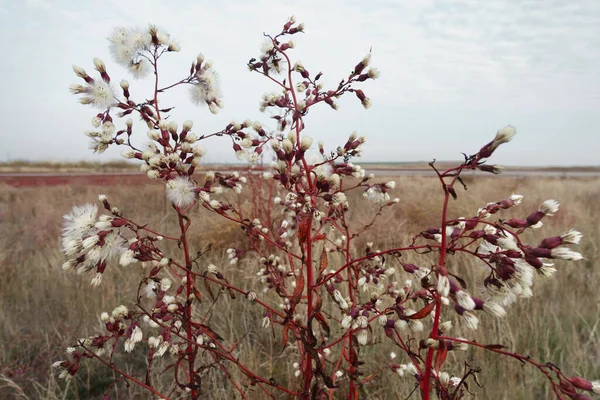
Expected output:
(322, 286)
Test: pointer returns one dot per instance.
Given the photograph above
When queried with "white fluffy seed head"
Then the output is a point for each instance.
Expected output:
(180, 191)
(550, 207)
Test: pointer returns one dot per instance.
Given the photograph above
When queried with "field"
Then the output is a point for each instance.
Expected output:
(44, 309)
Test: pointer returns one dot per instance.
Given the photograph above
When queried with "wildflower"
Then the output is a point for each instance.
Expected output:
(361, 321)
(546, 270)
(584, 384)
(180, 191)
(504, 135)
(399, 369)
(339, 298)
(97, 93)
(128, 48)
(443, 285)
(373, 73)
(494, 309)
(149, 289)
(205, 89)
(401, 324)
(549, 207)
(212, 268)
(414, 325)
(104, 317)
(444, 378)
(114, 245)
(305, 143)
(163, 262)
(135, 337)
(362, 337)
(97, 279)
(565, 253)
(454, 381)
(470, 320)
(465, 300)
(376, 194)
(120, 312)
(129, 154)
(571, 237)
(69, 369)
(127, 257)
(266, 321)
(508, 242)
(165, 284)
(198, 151)
(161, 348)
(516, 198)
(339, 198)
(233, 256)
(411, 369)
(445, 327)
(297, 368)
(78, 222)
(346, 321)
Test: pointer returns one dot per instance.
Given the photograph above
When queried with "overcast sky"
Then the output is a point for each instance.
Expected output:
(452, 72)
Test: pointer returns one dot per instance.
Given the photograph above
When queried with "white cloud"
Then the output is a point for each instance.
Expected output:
(445, 65)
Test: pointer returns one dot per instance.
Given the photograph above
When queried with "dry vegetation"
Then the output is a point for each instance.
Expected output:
(115, 166)
(23, 166)
(43, 309)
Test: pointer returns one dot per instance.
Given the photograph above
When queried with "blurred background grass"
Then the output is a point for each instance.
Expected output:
(43, 309)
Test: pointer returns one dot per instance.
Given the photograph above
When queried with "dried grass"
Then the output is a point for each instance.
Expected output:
(44, 309)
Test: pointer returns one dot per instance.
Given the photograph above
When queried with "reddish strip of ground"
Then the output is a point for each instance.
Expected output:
(37, 180)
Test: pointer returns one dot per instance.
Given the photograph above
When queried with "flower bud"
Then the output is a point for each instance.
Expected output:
(305, 143)
(287, 146)
(187, 125)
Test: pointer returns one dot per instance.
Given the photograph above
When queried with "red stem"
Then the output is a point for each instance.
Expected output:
(351, 389)
(426, 383)
(188, 307)
(309, 261)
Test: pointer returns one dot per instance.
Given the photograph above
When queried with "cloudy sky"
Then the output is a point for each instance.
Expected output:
(452, 72)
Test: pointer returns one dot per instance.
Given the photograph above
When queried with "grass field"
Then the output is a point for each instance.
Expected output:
(44, 309)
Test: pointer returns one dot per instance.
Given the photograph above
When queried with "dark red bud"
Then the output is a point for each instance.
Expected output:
(534, 218)
(506, 203)
(478, 303)
(486, 150)
(477, 234)
(512, 253)
(580, 383)
(471, 224)
(534, 262)
(539, 252)
(551, 242)
(410, 268)
(360, 94)
(516, 223)
(118, 222)
(359, 68)
(493, 239)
